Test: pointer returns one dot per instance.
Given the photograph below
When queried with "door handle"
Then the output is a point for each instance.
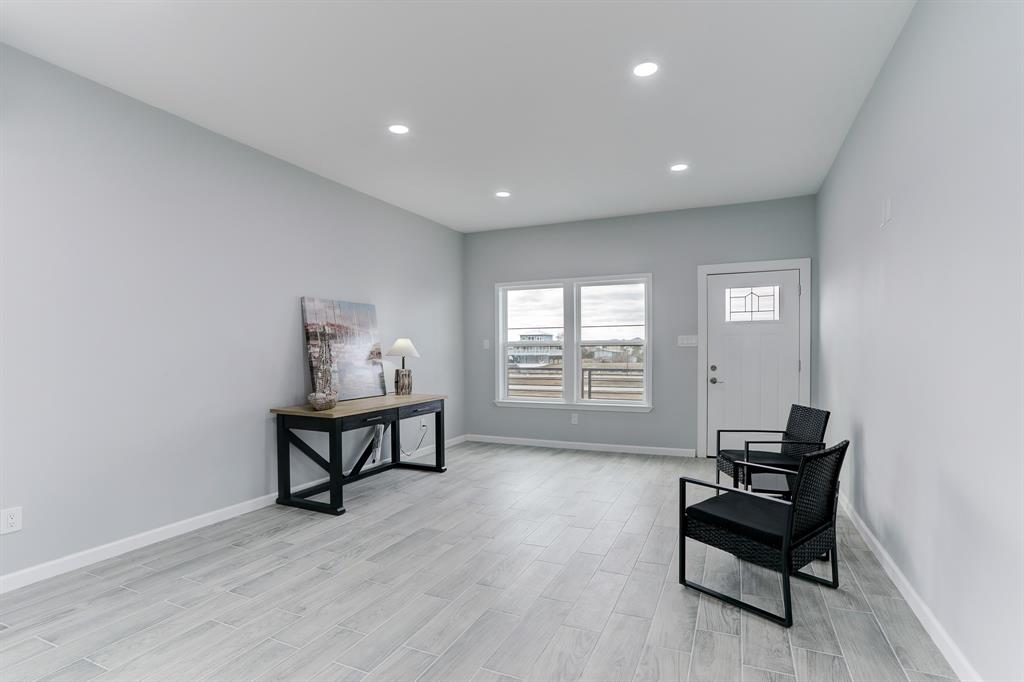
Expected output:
(716, 380)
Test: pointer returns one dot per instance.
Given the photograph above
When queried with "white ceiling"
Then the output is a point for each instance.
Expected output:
(534, 97)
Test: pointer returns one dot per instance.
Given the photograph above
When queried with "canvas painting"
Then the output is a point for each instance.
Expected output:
(343, 347)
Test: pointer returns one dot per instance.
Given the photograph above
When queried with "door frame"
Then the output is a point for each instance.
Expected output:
(803, 265)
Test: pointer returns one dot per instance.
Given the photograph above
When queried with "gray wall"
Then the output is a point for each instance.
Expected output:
(921, 326)
(150, 283)
(669, 245)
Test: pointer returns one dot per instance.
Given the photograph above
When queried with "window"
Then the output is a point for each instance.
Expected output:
(577, 342)
(534, 343)
(751, 304)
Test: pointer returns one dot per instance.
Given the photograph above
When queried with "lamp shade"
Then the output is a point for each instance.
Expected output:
(403, 348)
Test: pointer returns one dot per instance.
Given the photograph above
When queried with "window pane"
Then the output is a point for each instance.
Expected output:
(534, 343)
(611, 372)
(612, 312)
(534, 309)
(751, 304)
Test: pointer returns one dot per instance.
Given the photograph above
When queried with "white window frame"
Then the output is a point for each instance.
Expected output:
(572, 347)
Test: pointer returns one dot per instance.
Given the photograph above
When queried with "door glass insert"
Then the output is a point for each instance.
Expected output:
(752, 304)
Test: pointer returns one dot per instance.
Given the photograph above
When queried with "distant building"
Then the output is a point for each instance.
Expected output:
(535, 356)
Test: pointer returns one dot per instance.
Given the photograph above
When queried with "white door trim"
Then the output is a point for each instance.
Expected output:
(801, 264)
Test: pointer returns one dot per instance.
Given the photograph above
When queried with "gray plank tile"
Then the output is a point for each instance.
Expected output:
(640, 594)
(675, 618)
(812, 625)
(565, 656)
(337, 672)
(660, 545)
(121, 651)
(913, 647)
(765, 645)
(402, 664)
(443, 629)
(869, 573)
(519, 597)
(79, 670)
(200, 660)
(306, 662)
(19, 651)
(602, 537)
(383, 641)
(529, 638)
(623, 553)
(716, 658)
(618, 649)
(662, 665)
(867, 653)
(573, 578)
(565, 545)
(254, 662)
(751, 674)
(472, 570)
(505, 572)
(814, 665)
(476, 645)
(595, 604)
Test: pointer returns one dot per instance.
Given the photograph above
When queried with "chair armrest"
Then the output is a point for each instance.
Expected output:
(718, 435)
(683, 480)
(747, 444)
(765, 467)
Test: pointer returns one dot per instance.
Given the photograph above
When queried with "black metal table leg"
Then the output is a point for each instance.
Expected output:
(284, 467)
(396, 441)
(337, 472)
(439, 439)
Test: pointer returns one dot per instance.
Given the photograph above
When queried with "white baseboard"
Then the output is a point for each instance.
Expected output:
(963, 668)
(594, 447)
(71, 562)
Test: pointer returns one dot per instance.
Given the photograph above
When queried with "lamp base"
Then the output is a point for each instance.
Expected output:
(403, 381)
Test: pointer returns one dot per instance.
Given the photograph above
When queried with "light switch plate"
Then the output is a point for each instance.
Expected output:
(487, 344)
(685, 341)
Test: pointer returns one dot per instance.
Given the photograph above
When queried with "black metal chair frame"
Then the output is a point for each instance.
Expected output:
(794, 554)
(805, 445)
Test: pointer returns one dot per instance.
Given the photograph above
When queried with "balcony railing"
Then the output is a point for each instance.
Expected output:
(598, 383)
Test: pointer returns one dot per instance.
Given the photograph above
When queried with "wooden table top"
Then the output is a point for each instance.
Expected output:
(350, 408)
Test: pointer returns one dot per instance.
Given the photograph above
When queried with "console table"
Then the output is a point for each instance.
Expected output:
(387, 410)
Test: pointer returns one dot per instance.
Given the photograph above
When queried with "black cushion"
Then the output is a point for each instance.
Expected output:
(772, 459)
(751, 517)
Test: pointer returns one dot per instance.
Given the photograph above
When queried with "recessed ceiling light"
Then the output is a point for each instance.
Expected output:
(398, 129)
(678, 167)
(646, 69)
(502, 194)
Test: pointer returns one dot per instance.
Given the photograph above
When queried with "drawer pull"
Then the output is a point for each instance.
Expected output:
(373, 419)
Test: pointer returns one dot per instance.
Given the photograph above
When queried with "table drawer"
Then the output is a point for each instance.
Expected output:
(421, 409)
(360, 420)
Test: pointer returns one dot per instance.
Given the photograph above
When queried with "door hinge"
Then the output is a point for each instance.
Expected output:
(801, 289)
(799, 365)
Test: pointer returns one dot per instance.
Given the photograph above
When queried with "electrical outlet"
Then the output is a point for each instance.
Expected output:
(574, 418)
(10, 520)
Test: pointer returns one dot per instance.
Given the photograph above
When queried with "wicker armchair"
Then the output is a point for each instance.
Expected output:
(784, 535)
(805, 432)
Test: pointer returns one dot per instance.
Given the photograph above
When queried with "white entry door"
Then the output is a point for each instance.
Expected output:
(753, 352)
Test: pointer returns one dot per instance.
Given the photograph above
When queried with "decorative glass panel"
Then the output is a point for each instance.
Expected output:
(751, 304)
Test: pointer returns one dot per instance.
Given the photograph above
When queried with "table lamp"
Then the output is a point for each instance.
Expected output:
(403, 377)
